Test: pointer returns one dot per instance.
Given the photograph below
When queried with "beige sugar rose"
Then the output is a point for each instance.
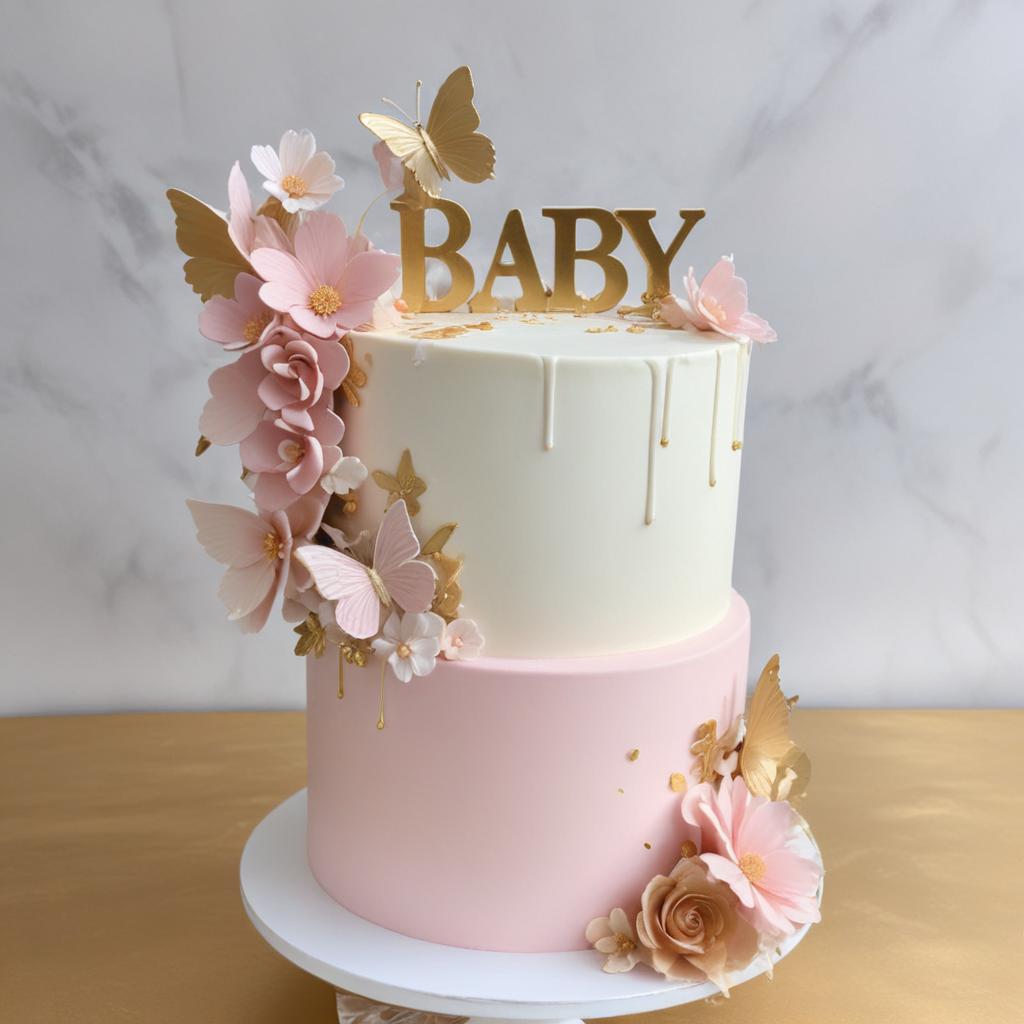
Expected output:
(689, 923)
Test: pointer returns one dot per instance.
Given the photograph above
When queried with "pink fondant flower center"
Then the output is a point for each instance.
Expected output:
(272, 546)
(291, 451)
(325, 300)
(753, 867)
(295, 186)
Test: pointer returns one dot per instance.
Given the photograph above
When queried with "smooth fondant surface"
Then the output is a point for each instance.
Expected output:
(498, 809)
(579, 467)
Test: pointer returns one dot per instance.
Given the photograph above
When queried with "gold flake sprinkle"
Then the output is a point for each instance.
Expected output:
(608, 329)
(677, 782)
(664, 442)
(737, 445)
(647, 846)
(443, 333)
(688, 849)
(633, 755)
(635, 329)
(202, 445)
(620, 791)
(404, 484)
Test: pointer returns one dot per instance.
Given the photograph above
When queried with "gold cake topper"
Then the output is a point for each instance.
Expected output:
(449, 144)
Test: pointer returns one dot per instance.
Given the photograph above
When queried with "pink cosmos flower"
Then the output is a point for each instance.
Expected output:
(747, 843)
(299, 371)
(242, 322)
(296, 173)
(249, 230)
(290, 464)
(719, 304)
(257, 550)
(324, 286)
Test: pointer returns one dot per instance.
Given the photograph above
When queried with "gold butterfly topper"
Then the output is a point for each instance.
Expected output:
(448, 144)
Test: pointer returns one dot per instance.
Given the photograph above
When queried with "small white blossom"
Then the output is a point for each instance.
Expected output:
(411, 643)
(462, 641)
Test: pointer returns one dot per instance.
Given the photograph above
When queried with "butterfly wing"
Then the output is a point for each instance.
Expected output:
(411, 586)
(396, 543)
(341, 578)
(202, 234)
(452, 127)
(767, 739)
(229, 535)
(406, 142)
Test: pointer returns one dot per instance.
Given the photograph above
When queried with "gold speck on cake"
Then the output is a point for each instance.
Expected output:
(635, 329)
(620, 791)
(647, 846)
(737, 445)
(608, 329)
(677, 782)
(633, 754)
(688, 849)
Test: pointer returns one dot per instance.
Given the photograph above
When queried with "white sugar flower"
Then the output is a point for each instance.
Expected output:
(411, 643)
(462, 640)
(296, 173)
(347, 474)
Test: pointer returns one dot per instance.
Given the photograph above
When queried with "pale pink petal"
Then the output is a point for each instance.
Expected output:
(307, 472)
(755, 328)
(234, 409)
(288, 283)
(296, 149)
(242, 589)
(333, 361)
(392, 172)
(396, 542)
(223, 320)
(229, 535)
(368, 275)
(274, 393)
(240, 224)
(726, 871)
(328, 426)
(674, 312)
(321, 326)
(269, 234)
(410, 586)
(273, 493)
(257, 618)
(321, 243)
(259, 451)
(266, 161)
(247, 294)
(305, 515)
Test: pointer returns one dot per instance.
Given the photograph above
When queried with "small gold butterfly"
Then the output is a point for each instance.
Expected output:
(356, 376)
(771, 764)
(449, 144)
(403, 484)
(203, 235)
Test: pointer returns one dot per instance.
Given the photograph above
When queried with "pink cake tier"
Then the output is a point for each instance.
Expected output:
(501, 807)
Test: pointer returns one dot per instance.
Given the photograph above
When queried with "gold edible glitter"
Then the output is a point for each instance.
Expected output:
(621, 791)
(677, 782)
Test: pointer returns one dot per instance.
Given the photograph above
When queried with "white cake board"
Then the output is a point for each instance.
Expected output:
(301, 922)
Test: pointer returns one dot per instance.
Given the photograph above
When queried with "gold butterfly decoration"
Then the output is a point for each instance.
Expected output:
(404, 483)
(202, 235)
(771, 764)
(449, 144)
(356, 376)
(714, 753)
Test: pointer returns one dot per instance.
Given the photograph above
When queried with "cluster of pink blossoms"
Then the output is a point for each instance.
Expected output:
(313, 284)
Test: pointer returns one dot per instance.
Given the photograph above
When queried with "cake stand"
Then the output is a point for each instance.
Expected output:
(301, 922)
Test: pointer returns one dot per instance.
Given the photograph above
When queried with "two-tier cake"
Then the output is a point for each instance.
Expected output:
(506, 534)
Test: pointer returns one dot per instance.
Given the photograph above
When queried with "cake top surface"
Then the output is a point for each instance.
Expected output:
(560, 335)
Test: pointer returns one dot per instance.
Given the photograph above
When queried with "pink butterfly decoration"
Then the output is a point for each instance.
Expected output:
(364, 593)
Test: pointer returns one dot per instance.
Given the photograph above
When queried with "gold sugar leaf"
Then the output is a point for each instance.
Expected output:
(704, 748)
(202, 235)
(312, 637)
(403, 484)
(438, 539)
(447, 590)
(677, 782)
(633, 755)
(202, 445)
(356, 376)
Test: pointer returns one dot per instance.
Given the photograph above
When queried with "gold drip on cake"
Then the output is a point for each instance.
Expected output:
(341, 674)
(657, 402)
(742, 358)
(712, 478)
(380, 710)
(550, 364)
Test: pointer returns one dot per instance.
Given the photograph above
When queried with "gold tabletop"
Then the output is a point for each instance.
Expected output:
(120, 838)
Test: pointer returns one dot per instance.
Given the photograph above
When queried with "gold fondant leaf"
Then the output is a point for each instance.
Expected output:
(438, 539)
(704, 748)
(312, 638)
(404, 484)
(447, 590)
(356, 376)
(202, 445)
(202, 235)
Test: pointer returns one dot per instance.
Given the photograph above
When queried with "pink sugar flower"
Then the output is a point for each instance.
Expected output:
(249, 230)
(257, 550)
(327, 285)
(719, 304)
(747, 843)
(296, 173)
(242, 322)
(299, 371)
(392, 170)
(234, 409)
(290, 464)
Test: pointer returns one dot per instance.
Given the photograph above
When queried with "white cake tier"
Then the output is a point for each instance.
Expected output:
(594, 476)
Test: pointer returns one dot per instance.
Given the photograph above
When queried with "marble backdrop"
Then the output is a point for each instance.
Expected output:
(863, 159)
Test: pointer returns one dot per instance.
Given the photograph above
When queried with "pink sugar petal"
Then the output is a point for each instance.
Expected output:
(333, 361)
(240, 224)
(273, 393)
(287, 279)
(297, 418)
(306, 473)
(327, 424)
(266, 161)
(259, 451)
(755, 328)
(243, 588)
(234, 409)
(320, 326)
(321, 243)
(229, 535)
(223, 321)
(272, 492)
(368, 275)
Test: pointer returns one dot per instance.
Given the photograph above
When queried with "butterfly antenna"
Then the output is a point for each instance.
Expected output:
(392, 103)
(419, 89)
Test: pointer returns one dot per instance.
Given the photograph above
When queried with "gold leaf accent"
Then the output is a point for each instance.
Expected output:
(633, 755)
(677, 782)
(404, 484)
(704, 749)
(609, 329)
(688, 849)
(737, 445)
(202, 445)
(312, 638)
(771, 764)
(447, 590)
(438, 539)
(356, 377)
(441, 333)
(647, 846)
(202, 235)
(635, 329)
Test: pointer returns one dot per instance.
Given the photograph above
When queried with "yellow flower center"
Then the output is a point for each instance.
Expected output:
(378, 585)
(623, 945)
(272, 546)
(295, 186)
(753, 867)
(325, 300)
(403, 651)
(254, 328)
